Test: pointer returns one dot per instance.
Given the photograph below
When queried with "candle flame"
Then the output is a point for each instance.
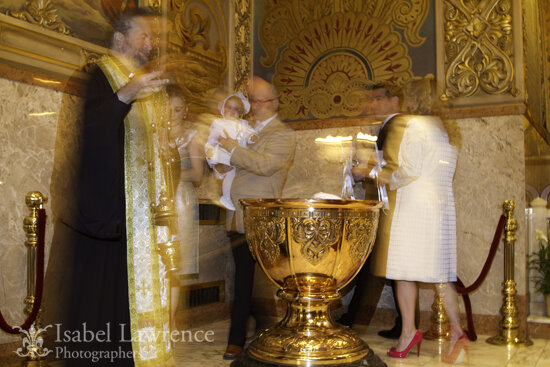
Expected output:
(361, 136)
(334, 139)
(47, 81)
(42, 113)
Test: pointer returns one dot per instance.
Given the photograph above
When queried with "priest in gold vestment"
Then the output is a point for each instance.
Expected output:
(120, 296)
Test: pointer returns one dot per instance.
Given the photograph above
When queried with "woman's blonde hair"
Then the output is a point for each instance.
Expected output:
(419, 95)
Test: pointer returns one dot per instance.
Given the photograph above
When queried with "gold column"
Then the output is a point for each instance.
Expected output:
(34, 350)
(509, 327)
(242, 41)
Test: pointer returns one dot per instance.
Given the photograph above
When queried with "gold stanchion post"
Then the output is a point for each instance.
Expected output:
(440, 329)
(509, 327)
(34, 349)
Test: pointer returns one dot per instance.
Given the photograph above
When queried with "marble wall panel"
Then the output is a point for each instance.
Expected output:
(27, 134)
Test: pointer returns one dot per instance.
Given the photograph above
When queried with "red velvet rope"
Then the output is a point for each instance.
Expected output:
(465, 291)
(471, 330)
(39, 286)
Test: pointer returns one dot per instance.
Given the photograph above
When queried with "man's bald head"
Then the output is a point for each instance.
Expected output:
(264, 100)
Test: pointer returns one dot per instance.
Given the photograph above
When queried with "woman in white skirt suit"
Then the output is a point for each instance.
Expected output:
(187, 153)
(420, 228)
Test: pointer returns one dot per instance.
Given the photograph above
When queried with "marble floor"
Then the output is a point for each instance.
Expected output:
(482, 354)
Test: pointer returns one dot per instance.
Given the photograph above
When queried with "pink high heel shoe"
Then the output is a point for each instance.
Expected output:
(461, 348)
(416, 340)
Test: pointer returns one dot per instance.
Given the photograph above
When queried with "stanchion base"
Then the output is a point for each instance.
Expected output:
(501, 340)
(370, 360)
(431, 335)
(38, 363)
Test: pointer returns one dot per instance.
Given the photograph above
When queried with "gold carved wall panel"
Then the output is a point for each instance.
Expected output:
(479, 44)
(197, 43)
(323, 52)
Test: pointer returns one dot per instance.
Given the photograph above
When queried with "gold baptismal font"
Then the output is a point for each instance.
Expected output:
(310, 248)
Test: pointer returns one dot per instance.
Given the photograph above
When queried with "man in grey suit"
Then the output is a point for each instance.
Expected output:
(262, 168)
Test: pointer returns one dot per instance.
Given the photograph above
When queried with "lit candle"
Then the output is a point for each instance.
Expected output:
(336, 148)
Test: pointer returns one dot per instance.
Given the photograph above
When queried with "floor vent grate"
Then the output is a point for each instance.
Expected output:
(202, 294)
(210, 214)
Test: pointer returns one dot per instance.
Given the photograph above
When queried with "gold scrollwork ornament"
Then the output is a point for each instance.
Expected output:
(360, 234)
(269, 234)
(294, 343)
(42, 13)
(196, 30)
(315, 236)
(478, 48)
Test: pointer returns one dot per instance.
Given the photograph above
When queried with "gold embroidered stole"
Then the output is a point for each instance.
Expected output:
(148, 283)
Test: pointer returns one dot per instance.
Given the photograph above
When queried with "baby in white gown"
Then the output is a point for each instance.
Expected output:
(231, 125)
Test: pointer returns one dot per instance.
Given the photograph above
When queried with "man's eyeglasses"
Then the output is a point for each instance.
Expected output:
(252, 100)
